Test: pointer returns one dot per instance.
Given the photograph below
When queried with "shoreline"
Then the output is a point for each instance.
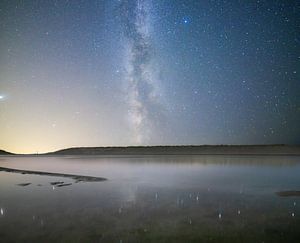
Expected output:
(77, 178)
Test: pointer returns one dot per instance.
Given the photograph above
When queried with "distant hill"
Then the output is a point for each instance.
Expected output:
(3, 152)
(184, 150)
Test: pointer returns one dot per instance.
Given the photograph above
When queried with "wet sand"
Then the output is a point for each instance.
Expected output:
(24, 184)
(77, 178)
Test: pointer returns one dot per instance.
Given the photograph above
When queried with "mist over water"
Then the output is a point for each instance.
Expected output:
(150, 198)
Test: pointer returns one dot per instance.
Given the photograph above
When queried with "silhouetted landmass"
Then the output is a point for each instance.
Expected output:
(77, 178)
(3, 152)
(176, 150)
(185, 150)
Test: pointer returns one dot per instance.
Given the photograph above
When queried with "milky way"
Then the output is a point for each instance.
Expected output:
(148, 72)
(144, 108)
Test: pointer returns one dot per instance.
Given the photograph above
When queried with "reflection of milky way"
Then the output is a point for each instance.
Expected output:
(144, 111)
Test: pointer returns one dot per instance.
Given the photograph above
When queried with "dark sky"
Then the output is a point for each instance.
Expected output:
(148, 72)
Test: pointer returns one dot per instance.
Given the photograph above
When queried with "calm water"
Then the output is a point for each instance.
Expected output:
(152, 199)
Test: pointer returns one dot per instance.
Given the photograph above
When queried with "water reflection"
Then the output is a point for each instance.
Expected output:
(148, 199)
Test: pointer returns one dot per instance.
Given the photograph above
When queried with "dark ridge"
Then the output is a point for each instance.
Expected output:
(184, 150)
(3, 152)
(77, 178)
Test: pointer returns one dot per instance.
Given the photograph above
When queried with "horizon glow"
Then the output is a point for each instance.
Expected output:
(148, 72)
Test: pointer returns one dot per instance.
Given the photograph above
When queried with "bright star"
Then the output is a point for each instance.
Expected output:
(186, 20)
(3, 97)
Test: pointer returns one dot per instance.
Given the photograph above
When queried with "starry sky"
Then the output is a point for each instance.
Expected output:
(148, 72)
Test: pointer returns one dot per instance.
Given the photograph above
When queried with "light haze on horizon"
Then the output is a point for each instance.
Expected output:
(148, 72)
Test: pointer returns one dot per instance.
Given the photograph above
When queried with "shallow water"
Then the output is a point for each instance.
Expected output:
(152, 199)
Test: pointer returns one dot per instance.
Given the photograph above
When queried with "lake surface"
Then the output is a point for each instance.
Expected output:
(152, 199)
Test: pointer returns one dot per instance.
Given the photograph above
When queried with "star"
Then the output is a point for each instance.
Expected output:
(186, 20)
(229, 69)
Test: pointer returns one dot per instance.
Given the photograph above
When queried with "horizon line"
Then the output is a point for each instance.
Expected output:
(144, 146)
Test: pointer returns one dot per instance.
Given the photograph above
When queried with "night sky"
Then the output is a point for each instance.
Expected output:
(142, 72)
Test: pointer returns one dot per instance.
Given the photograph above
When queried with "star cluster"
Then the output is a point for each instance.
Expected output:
(148, 72)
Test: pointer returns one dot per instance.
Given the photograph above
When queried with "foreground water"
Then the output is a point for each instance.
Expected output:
(151, 199)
